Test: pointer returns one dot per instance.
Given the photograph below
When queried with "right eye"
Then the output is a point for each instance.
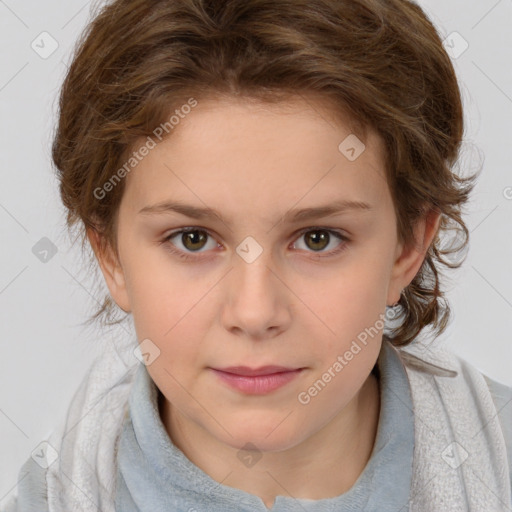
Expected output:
(192, 240)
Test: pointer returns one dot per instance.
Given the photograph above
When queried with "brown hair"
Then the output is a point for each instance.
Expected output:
(379, 61)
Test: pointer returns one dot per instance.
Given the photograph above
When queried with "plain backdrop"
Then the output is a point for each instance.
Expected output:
(46, 352)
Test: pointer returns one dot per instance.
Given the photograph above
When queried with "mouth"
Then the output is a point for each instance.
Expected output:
(256, 381)
(246, 371)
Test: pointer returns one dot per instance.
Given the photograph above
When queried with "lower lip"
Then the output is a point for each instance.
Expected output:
(257, 385)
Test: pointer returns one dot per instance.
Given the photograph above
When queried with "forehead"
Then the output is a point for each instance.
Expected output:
(239, 151)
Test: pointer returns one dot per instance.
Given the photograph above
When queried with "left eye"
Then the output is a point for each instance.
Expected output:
(194, 240)
(319, 238)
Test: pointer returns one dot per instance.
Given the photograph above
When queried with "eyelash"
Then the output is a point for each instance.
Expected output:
(187, 256)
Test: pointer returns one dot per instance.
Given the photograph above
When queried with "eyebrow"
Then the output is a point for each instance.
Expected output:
(292, 216)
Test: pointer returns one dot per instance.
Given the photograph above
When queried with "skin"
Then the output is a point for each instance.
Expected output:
(295, 305)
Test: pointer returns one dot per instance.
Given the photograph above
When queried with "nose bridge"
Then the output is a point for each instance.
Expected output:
(255, 301)
(253, 264)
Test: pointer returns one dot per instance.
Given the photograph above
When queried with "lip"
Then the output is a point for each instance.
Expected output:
(257, 381)
(255, 372)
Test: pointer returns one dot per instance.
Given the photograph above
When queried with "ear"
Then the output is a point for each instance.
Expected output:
(410, 258)
(110, 268)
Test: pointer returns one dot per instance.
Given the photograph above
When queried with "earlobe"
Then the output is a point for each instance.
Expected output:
(410, 258)
(111, 269)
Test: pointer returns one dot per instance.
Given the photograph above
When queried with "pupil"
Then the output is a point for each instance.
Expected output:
(323, 238)
(191, 237)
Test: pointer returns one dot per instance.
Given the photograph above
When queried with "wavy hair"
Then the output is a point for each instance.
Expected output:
(382, 62)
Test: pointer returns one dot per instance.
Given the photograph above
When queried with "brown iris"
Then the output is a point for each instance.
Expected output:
(190, 239)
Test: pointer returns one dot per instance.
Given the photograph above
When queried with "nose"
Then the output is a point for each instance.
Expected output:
(258, 302)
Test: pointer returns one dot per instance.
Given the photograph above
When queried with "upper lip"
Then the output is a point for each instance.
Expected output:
(252, 372)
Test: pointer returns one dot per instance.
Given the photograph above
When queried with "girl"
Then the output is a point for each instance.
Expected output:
(307, 149)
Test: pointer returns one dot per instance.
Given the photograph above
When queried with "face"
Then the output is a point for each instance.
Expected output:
(261, 280)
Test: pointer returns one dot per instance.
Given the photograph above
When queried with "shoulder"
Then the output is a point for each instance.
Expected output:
(31, 489)
(502, 397)
(501, 393)
(445, 363)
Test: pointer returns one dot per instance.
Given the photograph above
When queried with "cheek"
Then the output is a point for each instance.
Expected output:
(167, 309)
(349, 301)
(159, 294)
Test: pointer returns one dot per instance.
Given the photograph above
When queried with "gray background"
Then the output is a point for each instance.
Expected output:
(45, 351)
